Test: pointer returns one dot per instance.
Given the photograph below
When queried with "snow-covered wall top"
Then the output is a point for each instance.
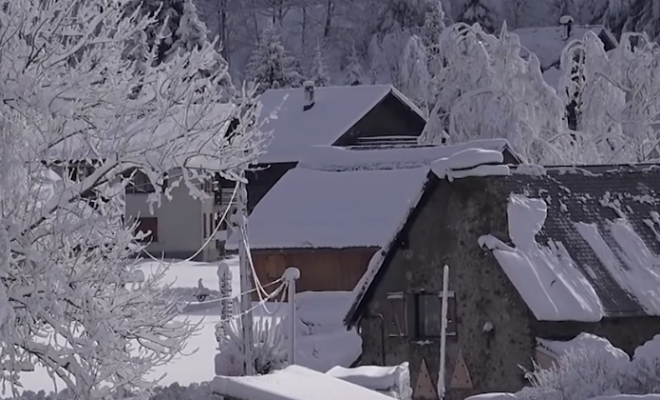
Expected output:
(292, 383)
(337, 158)
(336, 109)
(322, 209)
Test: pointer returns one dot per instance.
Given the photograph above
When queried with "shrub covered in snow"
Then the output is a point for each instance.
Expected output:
(269, 352)
(196, 391)
(592, 367)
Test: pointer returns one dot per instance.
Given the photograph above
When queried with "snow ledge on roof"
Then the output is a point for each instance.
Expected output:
(546, 277)
(471, 162)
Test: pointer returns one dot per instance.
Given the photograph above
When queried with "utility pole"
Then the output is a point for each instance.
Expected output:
(246, 281)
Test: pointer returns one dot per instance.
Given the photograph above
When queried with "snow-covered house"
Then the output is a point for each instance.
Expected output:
(302, 118)
(532, 252)
(548, 42)
(182, 225)
(336, 209)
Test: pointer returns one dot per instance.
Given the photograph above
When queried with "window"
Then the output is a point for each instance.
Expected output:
(148, 226)
(139, 182)
(396, 315)
(428, 309)
(204, 225)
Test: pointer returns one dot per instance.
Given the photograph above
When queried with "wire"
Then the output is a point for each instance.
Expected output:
(259, 304)
(279, 303)
(248, 292)
(208, 240)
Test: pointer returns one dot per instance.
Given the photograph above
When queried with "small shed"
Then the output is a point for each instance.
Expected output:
(291, 383)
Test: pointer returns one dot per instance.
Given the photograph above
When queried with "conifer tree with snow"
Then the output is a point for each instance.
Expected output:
(353, 74)
(177, 28)
(69, 301)
(434, 24)
(270, 66)
(476, 12)
(319, 73)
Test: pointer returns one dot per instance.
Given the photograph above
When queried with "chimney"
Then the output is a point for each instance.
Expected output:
(308, 88)
(567, 22)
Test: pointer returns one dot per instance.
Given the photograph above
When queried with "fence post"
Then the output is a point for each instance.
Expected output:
(290, 276)
(443, 333)
(226, 304)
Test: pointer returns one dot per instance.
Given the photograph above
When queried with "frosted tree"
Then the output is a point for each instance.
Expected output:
(68, 297)
(270, 66)
(353, 74)
(618, 96)
(415, 79)
(319, 72)
(479, 92)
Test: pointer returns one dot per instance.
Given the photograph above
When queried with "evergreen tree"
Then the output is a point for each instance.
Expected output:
(319, 73)
(270, 66)
(354, 75)
(434, 23)
(178, 28)
(476, 12)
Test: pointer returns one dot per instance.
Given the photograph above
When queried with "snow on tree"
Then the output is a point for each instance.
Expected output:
(479, 92)
(178, 28)
(414, 80)
(319, 73)
(353, 74)
(270, 66)
(67, 301)
(619, 105)
(270, 350)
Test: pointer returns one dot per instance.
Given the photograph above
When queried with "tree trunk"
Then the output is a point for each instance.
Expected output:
(328, 18)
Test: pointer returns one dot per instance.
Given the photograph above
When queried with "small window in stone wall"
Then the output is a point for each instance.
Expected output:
(396, 315)
(428, 310)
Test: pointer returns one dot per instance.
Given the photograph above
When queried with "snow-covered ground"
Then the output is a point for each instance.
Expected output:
(323, 342)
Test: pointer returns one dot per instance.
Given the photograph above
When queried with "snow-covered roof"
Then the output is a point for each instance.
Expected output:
(548, 42)
(336, 109)
(292, 383)
(311, 208)
(586, 242)
(342, 198)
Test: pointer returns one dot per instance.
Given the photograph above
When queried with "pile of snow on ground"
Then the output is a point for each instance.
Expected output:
(392, 381)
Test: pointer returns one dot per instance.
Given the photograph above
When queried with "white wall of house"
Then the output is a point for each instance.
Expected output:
(180, 228)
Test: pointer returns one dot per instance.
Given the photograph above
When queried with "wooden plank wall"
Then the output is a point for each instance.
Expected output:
(320, 269)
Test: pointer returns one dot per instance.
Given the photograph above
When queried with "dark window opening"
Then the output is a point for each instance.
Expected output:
(149, 227)
(428, 309)
(139, 182)
(396, 315)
